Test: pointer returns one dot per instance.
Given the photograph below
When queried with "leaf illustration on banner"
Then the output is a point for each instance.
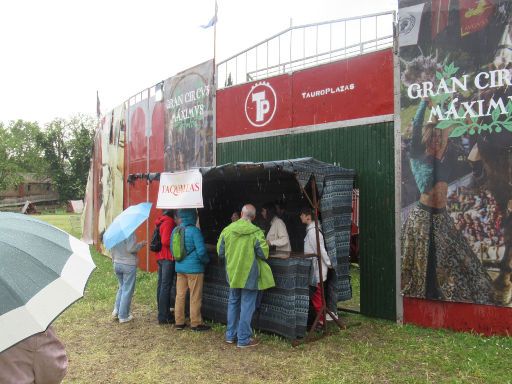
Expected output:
(459, 131)
(507, 125)
(495, 114)
(446, 124)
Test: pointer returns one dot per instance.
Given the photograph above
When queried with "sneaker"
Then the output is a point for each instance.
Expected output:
(230, 341)
(251, 343)
(330, 318)
(180, 327)
(114, 314)
(129, 318)
(201, 328)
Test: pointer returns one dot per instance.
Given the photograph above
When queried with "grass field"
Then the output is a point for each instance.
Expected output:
(376, 351)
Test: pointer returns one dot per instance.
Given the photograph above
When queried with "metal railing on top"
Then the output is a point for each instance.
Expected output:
(306, 46)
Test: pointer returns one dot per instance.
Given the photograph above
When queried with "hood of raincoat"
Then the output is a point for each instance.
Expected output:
(243, 227)
(187, 216)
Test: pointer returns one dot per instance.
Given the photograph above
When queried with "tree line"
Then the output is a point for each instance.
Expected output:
(60, 150)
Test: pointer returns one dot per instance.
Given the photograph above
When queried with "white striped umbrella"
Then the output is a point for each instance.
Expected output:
(43, 270)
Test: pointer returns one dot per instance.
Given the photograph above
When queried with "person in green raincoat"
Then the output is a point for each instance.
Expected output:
(245, 249)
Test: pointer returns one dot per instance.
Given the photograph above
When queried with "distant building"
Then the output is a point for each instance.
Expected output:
(33, 188)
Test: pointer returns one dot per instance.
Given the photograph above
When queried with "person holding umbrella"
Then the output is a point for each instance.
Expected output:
(120, 238)
(41, 358)
(124, 257)
(43, 271)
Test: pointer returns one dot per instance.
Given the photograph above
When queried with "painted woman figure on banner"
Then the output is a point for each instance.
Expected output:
(438, 262)
(494, 150)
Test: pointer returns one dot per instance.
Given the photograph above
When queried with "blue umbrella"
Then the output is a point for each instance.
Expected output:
(125, 224)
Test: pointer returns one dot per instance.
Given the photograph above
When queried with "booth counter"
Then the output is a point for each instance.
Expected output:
(283, 310)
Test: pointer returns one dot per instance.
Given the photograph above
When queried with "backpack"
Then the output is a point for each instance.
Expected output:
(178, 244)
(156, 241)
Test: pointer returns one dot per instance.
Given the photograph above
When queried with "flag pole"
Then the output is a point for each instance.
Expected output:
(215, 37)
(215, 85)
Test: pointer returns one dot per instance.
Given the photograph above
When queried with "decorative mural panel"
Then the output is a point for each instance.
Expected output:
(456, 114)
(188, 138)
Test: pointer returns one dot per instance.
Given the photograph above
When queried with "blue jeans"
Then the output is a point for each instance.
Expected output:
(126, 275)
(166, 277)
(241, 305)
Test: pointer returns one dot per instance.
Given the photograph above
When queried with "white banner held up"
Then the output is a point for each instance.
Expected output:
(180, 190)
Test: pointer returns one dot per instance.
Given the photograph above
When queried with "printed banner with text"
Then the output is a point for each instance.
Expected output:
(456, 114)
(188, 137)
(180, 190)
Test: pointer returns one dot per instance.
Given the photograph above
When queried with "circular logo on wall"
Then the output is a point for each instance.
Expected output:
(260, 104)
(406, 24)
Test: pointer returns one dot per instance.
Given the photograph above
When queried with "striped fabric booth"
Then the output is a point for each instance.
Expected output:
(226, 188)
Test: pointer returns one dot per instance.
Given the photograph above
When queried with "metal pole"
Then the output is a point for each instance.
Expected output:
(291, 35)
(267, 58)
(127, 149)
(398, 176)
(303, 46)
(148, 130)
(279, 54)
(316, 44)
(330, 42)
(345, 36)
(318, 253)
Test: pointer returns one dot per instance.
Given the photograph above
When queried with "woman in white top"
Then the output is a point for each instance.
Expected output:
(310, 247)
(277, 234)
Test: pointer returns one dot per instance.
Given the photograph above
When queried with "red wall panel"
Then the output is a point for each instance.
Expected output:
(156, 164)
(484, 319)
(236, 108)
(137, 148)
(350, 89)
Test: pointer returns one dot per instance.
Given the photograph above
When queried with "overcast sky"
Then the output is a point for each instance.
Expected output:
(55, 54)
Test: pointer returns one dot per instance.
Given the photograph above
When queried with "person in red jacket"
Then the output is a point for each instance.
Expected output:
(166, 271)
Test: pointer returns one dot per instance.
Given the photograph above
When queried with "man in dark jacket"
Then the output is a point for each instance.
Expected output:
(166, 269)
(190, 272)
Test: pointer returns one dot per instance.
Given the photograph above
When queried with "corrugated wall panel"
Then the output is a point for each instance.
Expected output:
(369, 150)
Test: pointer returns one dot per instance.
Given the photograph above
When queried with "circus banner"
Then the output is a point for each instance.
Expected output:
(104, 193)
(188, 138)
(456, 131)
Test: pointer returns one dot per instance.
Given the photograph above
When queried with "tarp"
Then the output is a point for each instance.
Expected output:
(226, 188)
(75, 206)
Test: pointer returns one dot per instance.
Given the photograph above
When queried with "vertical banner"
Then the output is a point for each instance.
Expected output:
(104, 192)
(188, 97)
(456, 114)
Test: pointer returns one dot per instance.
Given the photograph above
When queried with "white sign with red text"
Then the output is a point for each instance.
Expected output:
(180, 190)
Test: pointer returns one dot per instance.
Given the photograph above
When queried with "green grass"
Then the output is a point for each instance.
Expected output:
(376, 351)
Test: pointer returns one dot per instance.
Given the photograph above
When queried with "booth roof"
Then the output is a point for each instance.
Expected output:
(302, 168)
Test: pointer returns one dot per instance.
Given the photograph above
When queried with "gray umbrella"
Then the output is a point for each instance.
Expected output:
(43, 270)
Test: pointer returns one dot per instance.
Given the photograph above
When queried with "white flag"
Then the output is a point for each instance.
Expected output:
(213, 20)
(409, 24)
